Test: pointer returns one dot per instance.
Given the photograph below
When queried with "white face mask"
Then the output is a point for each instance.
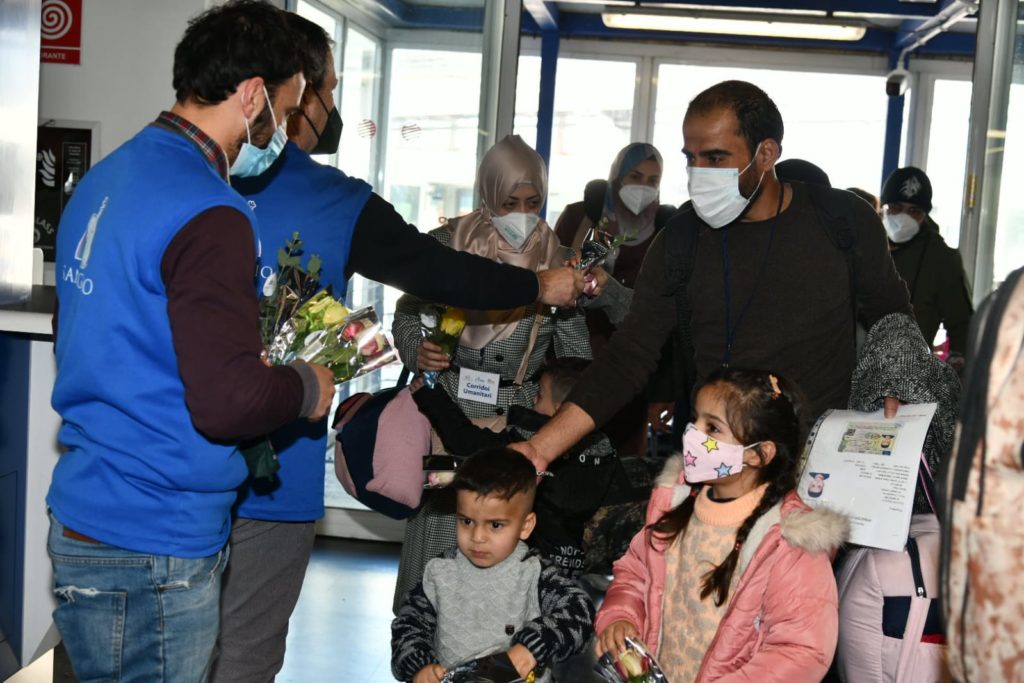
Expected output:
(715, 193)
(900, 227)
(516, 227)
(638, 197)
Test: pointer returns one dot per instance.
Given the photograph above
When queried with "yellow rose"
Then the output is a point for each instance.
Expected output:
(319, 303)
(335, 312)
(453, 321)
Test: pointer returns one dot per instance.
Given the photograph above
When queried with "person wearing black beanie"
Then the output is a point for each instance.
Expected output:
(933, 271)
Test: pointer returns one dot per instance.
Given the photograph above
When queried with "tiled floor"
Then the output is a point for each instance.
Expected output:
(341, 627)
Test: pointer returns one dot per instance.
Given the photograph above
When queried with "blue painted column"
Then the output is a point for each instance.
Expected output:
(893, 128)
(546, 100)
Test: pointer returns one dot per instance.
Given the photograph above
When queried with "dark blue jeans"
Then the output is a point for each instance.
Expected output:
(129, 616)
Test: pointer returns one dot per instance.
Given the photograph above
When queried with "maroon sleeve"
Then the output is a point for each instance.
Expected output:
(209, 271)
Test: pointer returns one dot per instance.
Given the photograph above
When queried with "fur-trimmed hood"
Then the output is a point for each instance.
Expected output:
(815, 530)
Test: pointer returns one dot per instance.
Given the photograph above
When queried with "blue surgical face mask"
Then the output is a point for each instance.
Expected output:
(253, 160)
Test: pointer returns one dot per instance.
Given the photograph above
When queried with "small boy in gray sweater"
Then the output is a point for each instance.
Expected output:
(491, 593)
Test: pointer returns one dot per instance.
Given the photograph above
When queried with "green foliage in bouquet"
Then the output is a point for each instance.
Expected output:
(287, 289)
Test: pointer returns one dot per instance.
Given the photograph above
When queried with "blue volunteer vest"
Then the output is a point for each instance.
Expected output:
(322, 204)
(136, 473)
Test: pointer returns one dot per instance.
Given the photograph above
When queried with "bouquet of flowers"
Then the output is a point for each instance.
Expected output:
(298, 322)
(322, 330)
(596, 249)
(634, 665)
(441, 325)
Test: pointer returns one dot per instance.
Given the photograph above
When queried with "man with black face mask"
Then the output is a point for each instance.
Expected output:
(352, 230)
(750, 272)
(933, 271)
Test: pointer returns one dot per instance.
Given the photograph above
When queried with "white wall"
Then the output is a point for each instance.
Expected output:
(124, 79)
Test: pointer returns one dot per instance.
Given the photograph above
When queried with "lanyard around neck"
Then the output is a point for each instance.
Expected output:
(730, 328)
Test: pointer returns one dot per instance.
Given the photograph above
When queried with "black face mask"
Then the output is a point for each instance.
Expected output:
(327, 140)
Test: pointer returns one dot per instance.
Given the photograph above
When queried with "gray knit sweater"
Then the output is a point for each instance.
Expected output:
(460, 612)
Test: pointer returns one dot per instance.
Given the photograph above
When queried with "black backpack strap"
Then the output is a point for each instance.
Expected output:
(680, 235)
(915, 568)
(835, 212)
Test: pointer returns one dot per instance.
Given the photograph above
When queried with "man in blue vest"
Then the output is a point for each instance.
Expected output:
(158, 358)
(352, 230)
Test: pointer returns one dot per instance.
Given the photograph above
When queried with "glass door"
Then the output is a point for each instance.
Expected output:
(1008, 254)
(992, 234)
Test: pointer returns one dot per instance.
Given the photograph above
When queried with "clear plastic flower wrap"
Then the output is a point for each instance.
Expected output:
(439, 470)
(441, 325)
(634, 665)
(350, 344)
(598, 247)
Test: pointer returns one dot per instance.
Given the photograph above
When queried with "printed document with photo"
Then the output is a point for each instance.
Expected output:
(865, 466)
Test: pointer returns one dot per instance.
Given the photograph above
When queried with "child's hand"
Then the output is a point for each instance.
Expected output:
(522, 659)
(416, 384)
(431, 673)
(613, 638)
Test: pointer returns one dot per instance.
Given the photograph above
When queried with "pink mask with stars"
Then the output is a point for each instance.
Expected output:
(706, 459)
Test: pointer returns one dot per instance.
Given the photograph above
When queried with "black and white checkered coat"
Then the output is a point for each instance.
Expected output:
(565, 331)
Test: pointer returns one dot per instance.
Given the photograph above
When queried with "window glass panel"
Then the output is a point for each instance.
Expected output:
(947, 154)
(358, 104)
(431, 154)
(841, 128)
(433, 116)
(527, 97)
(1009, 249)
(593, 121)
(326, 21)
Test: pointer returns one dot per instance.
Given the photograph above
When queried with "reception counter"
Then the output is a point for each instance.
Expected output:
(28, 453)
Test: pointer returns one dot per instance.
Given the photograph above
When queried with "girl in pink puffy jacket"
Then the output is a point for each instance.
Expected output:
(731, 580)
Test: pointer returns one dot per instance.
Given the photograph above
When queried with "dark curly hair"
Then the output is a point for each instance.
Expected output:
(759, 119)
(755, 412)
(231, 43)
(315, 46)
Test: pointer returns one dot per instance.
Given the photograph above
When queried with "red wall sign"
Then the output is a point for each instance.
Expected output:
(62, 32)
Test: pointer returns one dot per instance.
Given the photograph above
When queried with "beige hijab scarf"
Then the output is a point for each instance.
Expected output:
(507, 166)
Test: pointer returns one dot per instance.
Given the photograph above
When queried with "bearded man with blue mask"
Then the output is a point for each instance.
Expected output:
(158, 358)
(352, 230)
(933, 271)
(752, 271)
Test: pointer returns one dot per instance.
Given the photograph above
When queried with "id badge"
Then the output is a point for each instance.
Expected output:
(479, 386)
